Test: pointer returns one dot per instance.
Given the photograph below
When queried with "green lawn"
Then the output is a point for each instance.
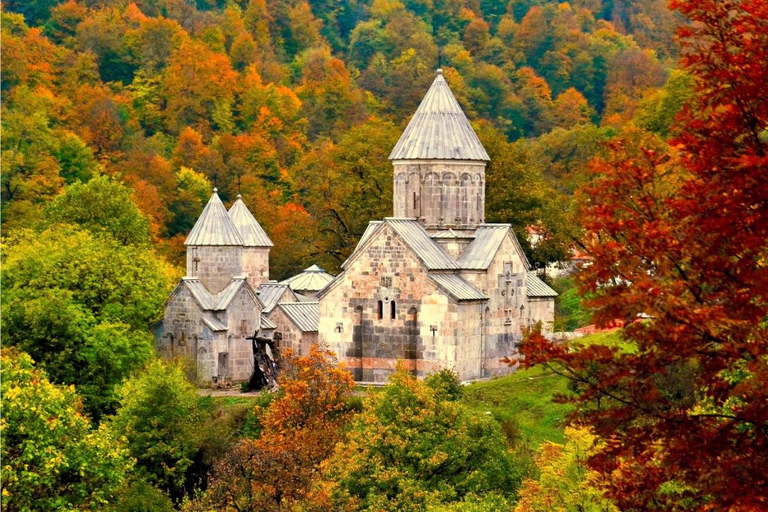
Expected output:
(524, 399)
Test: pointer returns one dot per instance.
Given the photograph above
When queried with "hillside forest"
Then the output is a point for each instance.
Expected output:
(296, 106)
(632, 131)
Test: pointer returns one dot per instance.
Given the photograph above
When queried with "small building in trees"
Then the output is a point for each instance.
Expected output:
(435, 285)
(215, 309)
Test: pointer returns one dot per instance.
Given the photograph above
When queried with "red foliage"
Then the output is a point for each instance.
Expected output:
(681, 235)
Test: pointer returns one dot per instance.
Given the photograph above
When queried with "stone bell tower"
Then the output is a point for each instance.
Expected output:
(439, 165)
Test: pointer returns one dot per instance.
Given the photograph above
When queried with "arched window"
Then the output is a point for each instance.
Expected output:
(381, 310)
(392, 313)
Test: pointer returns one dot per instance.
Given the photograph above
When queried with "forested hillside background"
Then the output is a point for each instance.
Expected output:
(297, 104)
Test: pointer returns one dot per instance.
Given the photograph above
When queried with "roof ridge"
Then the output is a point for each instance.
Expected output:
(250, 230)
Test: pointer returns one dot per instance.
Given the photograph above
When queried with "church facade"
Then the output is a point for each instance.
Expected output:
(434, 286)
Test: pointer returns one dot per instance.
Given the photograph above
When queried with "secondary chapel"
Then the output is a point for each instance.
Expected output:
(433, 286)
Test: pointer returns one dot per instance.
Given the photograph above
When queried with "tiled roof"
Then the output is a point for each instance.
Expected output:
(214, 227)
(270, 294)
(457, 287)
(312, 279)
(439, 129)
(538, 288)
(427, 250)
(249, 228)
(305, 315)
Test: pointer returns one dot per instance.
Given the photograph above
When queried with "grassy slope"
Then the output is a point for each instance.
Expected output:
(525, 398)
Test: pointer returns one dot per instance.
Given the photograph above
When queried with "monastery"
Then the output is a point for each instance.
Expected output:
(434, 286)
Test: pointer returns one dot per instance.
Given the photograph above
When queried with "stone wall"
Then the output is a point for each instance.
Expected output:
(214, 265)
(442, 193)
(356, 313)
(542, 309)
(255, 265)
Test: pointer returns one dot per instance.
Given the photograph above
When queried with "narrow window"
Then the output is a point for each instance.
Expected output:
(392, 310)
(414, 201)
(381, 310)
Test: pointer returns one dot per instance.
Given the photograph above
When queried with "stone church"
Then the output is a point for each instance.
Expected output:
(434, 285)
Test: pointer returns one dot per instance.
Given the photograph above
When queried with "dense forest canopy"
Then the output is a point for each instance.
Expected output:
(296, 105)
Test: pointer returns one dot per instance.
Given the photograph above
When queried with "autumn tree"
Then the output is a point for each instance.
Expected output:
(299, 431)
(565, 484)
(53, 458)
(678, 239)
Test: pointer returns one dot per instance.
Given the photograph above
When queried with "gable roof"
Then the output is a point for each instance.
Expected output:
(249, 228)
(457, 287)
(439, 129)
(210, 302)
(413, 234)
(213, 324)
(488, 239)
(266, 323)
(312, 279)
(305, 315)
(427, 250)
(270, 294)
(214, 227)
(538, 288)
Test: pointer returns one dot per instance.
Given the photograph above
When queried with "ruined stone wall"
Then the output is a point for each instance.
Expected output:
(356, 314)
(441, 193)
(542, 309)
(290, 335)
(215, 266)
(255, 265)
(243, 320)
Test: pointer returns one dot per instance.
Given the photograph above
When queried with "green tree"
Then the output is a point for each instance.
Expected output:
(53, 459)
(166, 425)
(81, 306)
(408, 449)
(101, 206)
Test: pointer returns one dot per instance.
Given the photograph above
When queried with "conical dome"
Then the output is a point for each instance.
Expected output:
(249, 228)
(439, 130)
(214, 227)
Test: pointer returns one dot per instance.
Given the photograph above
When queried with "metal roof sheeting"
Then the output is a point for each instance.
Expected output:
(538, 288)
(214, 227)
(450, 234)
(266, 323)
(457, 287)
(249, 228)
(427, 250)
(313, 279)
(439, 129)
(213, 324)
(479, 254)
(226, 295)
(270, 294)
(200, 293)
(306, 315)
